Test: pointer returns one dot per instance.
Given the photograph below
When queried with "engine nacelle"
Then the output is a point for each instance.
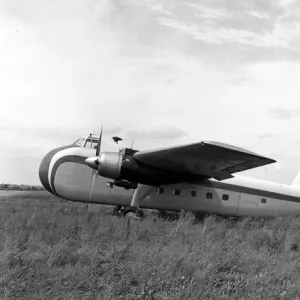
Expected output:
(110, 165)
(123, 166)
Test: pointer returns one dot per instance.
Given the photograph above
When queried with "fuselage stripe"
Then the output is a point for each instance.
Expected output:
(62, 160)
(249, 190)
(58, 153)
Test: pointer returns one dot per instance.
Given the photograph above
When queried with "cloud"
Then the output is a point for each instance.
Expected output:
(35, 137)
(70, 133)
(286, 3)
(155, 6)
(164, 132)
(259, 15)
(74, 65)
(236, 80)
(259, 24)
(280, 37)
(283, 171)
(209, 13)
(267, 135)
(284, 113)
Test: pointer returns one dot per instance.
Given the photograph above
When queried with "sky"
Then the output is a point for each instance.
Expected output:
(162, 72)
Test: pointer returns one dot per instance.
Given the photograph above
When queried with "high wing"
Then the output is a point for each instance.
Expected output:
(208, 159)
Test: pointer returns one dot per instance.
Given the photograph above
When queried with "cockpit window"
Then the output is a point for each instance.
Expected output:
(87, 142)
(79, 142)
(91, 143)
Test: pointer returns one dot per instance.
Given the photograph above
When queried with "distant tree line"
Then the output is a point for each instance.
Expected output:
(20, 187)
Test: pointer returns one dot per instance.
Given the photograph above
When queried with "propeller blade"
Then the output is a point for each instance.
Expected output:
(94, 162)
(93, 182)
(99, 143)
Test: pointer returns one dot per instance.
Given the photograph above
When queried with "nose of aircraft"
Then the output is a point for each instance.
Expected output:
(44, 168)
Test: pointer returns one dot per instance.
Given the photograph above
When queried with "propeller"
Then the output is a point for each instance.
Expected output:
(94, 163)
(99, 143)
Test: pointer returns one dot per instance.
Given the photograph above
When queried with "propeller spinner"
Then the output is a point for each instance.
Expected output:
(92, 162)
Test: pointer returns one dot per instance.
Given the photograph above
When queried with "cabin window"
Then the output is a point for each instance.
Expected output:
(160, 190)
(176, 192)
(209, 195)
(193, 193)
(263, 200)
(225, 197)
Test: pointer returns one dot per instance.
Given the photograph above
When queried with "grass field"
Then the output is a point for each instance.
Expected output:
(8, 193)
(52, 249)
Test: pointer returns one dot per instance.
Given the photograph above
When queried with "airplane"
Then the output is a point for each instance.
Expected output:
(199, 177)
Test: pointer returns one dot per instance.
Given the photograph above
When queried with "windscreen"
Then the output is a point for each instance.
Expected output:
(91, 143)
(79, 142)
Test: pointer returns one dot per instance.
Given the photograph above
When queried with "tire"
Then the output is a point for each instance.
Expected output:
(133, 210)
(128, 209)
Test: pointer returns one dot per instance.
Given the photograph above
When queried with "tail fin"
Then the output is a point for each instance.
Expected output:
(297, 180)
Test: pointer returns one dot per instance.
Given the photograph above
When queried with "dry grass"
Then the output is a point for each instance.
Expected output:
(51, 249)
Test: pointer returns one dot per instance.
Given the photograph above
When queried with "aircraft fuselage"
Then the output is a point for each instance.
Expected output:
(64, 173)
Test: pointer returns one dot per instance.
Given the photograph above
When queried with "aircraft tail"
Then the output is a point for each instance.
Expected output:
(297, 180)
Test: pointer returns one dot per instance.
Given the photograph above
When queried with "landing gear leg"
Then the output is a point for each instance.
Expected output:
(132, 212)
(141, 192)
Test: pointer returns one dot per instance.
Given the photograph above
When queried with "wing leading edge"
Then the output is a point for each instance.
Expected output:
(209, 159)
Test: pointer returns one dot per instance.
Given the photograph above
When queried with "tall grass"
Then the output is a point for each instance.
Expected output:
(52, 249)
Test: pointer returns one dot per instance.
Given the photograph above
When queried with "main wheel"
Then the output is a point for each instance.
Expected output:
(133, 212)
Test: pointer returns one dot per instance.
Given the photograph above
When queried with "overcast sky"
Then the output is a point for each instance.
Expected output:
(165, 72)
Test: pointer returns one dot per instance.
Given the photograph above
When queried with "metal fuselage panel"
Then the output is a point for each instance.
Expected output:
(70, 178)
